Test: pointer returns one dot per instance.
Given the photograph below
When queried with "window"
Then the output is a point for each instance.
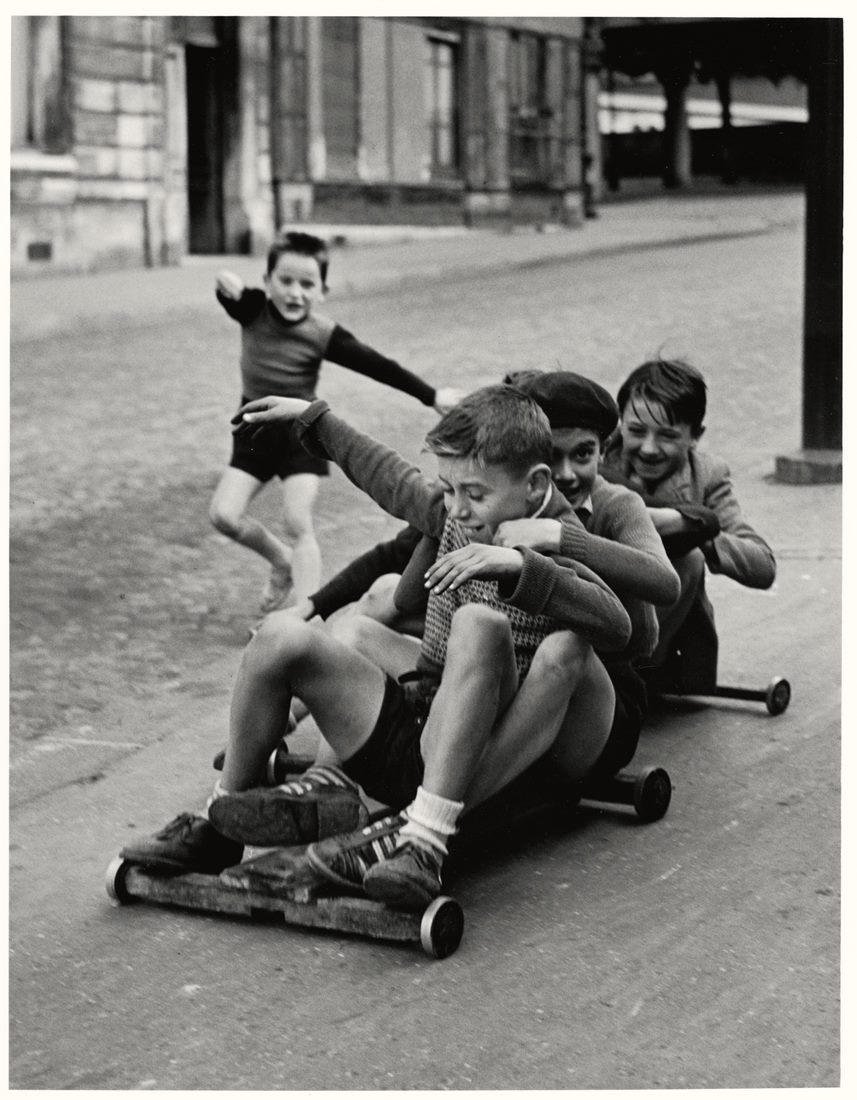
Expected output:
(39, 117)
(529, 112)
(442, 106)
(340, 94)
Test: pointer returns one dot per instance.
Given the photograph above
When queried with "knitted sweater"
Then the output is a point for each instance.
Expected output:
(282, 358)
(550, 593)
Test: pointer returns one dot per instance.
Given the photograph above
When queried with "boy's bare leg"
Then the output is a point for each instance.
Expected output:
(479, 682)
(564, 708)
(299, 494)
(391, 651)
(691, 573)
(228, 513)
(342, 689)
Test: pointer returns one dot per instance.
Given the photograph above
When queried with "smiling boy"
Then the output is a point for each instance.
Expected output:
(692, 503)
(283, 341)
(499, 670)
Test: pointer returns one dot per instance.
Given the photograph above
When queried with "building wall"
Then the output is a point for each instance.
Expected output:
(315, 119)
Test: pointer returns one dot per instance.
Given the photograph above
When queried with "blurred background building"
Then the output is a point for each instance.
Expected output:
(138, 140)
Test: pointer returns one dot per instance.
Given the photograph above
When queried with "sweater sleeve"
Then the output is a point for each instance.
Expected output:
(571, 593)
(631, 558)
(355, 579)
(391, 481)
(738, 551)
(346, 350)
(246, 308)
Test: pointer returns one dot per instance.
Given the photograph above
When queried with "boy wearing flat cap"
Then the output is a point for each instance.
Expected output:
(610, 531)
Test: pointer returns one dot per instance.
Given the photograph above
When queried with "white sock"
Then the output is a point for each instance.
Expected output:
(218, 792)
(430, 820)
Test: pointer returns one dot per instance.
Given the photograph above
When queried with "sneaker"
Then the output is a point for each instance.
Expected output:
(321, 802)
(276, 592)
(409, 879)
(344, 860)
(188, 843)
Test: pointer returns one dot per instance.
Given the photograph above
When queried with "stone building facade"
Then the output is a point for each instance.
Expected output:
(137, 140)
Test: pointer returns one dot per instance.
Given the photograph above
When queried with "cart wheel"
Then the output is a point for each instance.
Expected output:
(442, 927)
(778, 695)
(217, 762)
(652, 794)
(115, 880)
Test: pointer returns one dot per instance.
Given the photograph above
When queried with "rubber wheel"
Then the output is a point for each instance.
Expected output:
(778, 695)
(442, 927)
(115, 880)
(652, 794)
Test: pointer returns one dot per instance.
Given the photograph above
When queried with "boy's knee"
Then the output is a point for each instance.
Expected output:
(378, 602)
(562, 656)
(350, 630)
(298, 526)
(281, 641)
(225, 520)
(479, 630)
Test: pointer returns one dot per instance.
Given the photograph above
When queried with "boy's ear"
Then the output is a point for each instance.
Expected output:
(538, 480)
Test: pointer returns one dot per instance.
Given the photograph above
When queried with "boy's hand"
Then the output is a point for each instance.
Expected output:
(267, 410)
(476, 560)
(447, 398)
(536, 534)
(229, 285)
(669, 521)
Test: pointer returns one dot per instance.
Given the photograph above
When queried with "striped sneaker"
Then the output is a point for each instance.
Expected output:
(344, 860)
(321, 802)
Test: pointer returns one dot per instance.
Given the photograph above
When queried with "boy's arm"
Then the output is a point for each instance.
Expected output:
(346, 350)
(246, 307)
(571, 593)
(399, 488)
(738, 551)
(631, 558)
(567, 591)
(353, 581)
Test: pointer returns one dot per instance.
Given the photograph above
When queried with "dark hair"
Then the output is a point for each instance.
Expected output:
(495, 426)
(673, 384)
(304, 244)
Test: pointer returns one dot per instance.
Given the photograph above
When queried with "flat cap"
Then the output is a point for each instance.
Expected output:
(569, 400)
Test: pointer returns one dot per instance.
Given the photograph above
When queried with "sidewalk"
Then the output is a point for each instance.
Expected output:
(374, 258)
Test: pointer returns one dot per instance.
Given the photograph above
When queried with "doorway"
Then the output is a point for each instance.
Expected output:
(204, 67)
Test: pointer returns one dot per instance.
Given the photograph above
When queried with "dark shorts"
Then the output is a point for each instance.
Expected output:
(628, 717)
(274, 453)
(389, 767)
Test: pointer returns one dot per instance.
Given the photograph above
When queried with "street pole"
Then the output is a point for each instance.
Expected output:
(820, 459)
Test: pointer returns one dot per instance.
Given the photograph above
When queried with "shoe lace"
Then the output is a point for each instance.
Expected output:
(180, 826)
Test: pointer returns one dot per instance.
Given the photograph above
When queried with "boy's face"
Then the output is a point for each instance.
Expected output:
(654, 447)
(294, 285)
(574, 462)
(480, 498)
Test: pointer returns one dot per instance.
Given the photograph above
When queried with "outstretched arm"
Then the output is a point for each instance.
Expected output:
(399, 488)
(345, 349)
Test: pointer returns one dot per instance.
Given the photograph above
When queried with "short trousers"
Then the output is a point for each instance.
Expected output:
(628, 717)
(389, 766)
(275, 452)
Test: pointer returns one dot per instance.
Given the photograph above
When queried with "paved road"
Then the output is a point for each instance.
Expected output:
(698, 952)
